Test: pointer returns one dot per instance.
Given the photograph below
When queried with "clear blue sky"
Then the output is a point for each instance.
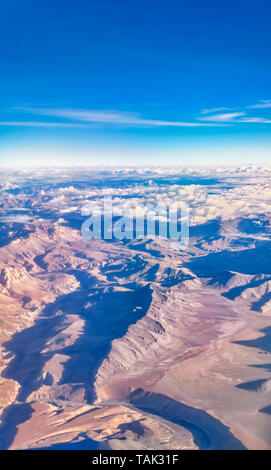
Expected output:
(144, 81)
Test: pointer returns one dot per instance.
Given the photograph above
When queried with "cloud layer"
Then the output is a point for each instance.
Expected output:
(212, 193)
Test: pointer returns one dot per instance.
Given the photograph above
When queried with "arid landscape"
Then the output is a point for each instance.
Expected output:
(135, 344)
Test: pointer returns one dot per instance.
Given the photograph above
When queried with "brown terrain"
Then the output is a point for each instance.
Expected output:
(114, 346)
(135, 344)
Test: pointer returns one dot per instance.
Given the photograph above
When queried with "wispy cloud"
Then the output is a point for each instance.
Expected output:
(262, 105)
(82, 118)
(212, 115)
(109, 117)
(214, 110)
(259, 120)
(226, 117)
(41, 124)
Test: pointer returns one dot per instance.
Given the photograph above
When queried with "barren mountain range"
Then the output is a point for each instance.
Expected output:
(135, 344)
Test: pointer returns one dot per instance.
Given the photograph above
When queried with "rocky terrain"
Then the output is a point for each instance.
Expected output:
(135, 344)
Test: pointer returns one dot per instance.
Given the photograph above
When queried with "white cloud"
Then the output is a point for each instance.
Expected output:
(80, 118)
(259, 120)
(246, 194)
(214, 110)
(40, 124)
(109, 117)
(17, 218)
(225, 117)
(263, 104)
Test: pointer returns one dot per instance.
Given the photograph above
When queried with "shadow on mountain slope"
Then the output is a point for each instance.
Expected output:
(208, 432)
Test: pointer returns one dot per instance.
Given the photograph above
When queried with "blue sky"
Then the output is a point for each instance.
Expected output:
(143, 81)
